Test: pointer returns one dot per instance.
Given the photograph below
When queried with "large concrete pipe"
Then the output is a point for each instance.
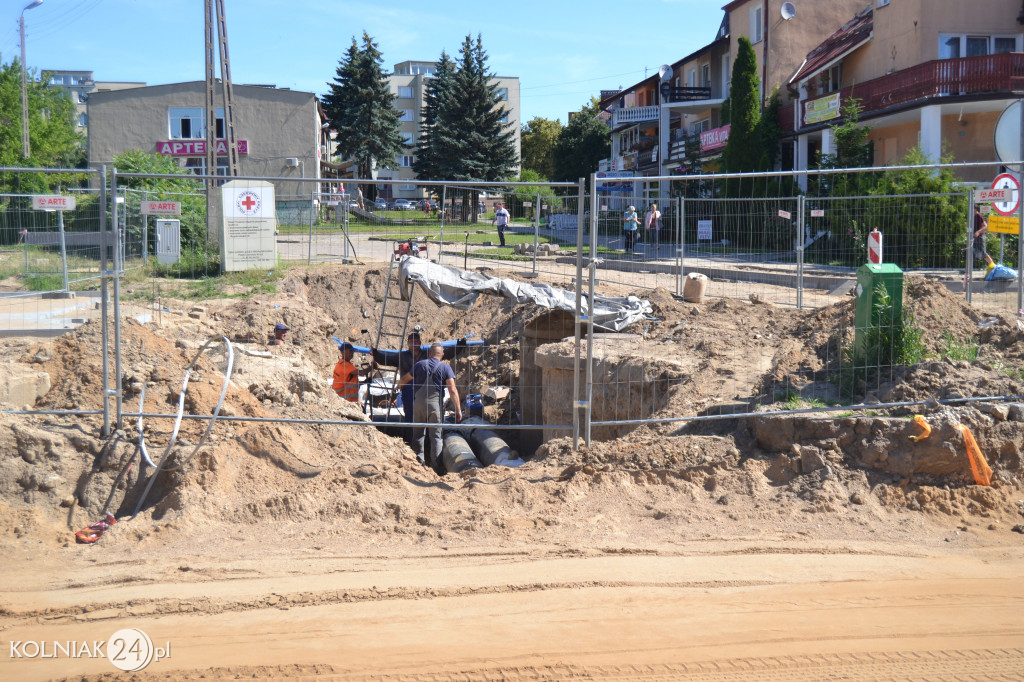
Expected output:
(456, 454)
(488, 446)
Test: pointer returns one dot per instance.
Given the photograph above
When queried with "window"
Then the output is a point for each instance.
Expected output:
(705, 76)
(952, 46)
(83, 96)
(883, 3)
(405, 91)
(691, 78)
(408, 160)
(197, 164)
(83, 120)
(726, 76)
(503, 94)
(187, 123)
(756, 24)
(407, 139)
(406, 115)
(504, 119)
(698, 127)
(407, 188)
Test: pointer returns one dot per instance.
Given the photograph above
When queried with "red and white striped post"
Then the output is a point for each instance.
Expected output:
(875, 247)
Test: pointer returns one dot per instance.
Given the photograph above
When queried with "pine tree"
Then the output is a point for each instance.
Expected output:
(361, 109)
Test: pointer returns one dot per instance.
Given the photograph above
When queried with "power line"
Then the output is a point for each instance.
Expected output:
(586, 80)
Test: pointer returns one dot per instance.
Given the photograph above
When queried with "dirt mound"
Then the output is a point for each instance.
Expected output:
(57, 475)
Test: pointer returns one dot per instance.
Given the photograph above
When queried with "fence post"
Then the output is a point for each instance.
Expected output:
(117, 294)
(63, 249)
(681, 251)
(104, 344)
(145, 233)
(536, 233)
(312, 202)
(440, 252)
(969, 261)
(576, 402)
(800, 241)
(590, 305)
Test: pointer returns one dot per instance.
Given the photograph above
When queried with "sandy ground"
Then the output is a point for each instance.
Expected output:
(797, 548)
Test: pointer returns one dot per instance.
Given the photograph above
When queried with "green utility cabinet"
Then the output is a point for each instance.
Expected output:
(868, 277)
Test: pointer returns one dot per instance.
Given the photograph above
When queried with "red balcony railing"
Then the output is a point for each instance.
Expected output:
(991, 74)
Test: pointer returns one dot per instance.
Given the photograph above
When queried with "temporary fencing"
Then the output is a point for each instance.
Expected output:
(758, 239)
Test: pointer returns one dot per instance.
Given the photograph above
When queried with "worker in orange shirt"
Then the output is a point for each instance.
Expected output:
(346, 375)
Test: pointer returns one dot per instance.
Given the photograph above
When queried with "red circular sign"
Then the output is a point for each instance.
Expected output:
(1009, 182)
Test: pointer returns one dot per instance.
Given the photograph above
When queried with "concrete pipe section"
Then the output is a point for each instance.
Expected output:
(489, 447)
(456, 454)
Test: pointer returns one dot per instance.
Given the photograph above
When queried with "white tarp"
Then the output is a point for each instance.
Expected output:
(460, 288)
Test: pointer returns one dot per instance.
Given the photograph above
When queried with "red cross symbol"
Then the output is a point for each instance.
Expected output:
(248, 203)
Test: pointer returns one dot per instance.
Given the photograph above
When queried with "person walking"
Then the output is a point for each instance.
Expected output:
(430, 377)
(652, 223)
(980, 231)
(346, 375)
(630, 226)
(501, 218)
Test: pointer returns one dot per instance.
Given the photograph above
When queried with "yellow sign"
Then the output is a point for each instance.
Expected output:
(1003, 224)
(821, 109)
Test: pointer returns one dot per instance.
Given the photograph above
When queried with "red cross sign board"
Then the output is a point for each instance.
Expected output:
(53, 202)
(1009, 182)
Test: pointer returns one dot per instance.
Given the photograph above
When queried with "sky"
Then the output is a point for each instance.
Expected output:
(563, 52)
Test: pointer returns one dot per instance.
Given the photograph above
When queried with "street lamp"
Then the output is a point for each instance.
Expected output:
(24, 83)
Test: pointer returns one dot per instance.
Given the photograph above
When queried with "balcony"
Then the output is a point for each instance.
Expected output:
(634, 115)
(688, 94)
(999, 74)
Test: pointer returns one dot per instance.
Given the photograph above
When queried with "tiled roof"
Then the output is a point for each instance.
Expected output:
(855, 33)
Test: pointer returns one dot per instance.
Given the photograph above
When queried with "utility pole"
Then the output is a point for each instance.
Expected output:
(216, 31)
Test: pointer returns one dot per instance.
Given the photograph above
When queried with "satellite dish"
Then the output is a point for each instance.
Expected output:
(1007, 135)
(787, 10)
(665, 72)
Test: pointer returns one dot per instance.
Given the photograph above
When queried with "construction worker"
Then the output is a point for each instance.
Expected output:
(280, 330)
(429, 377)
(346, 375)
(405, 360)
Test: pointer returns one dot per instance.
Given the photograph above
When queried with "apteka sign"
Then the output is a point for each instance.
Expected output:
(198, 147)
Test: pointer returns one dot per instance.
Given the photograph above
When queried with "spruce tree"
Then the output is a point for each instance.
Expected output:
(432, 144)
(361, 109)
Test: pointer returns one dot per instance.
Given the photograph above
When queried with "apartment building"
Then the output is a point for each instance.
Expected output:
(409, 83)
(928, 73)
(653, 120)
(79, 85)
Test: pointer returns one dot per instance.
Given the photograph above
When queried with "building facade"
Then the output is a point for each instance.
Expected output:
(408, 82)
(278, 132)
(933, 74)
(657, 121)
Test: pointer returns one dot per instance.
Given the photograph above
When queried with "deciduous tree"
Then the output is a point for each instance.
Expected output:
(539, 138)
